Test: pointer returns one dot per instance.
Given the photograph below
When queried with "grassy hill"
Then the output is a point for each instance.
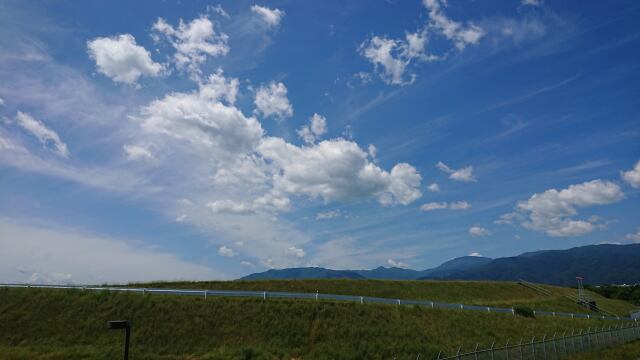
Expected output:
(70, 324)
(488, 293)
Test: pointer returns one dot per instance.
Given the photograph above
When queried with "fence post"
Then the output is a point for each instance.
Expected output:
(533, 347)
(458, 352)
(520, 346)
(555, 348)
(439, 352)
(581, 340)
(544, 346)
(492, 355)
(475, 351)
(506, 347)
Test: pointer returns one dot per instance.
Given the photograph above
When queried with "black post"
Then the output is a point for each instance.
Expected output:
(122, 324)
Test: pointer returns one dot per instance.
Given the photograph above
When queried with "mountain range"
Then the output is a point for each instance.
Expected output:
(598, 264)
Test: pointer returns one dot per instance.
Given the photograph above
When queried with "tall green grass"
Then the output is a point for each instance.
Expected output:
(487, 293)
(70, 324)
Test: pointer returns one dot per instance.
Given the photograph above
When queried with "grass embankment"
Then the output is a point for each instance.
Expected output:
(629, 351)
(487, 293)
(70, 324)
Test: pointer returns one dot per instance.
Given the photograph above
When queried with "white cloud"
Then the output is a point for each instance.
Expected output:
(456, 205)
(434, 187)
(635, 237)
(459, 205)
(478, 231)
(372, 151)
(193, 42)
(532, 2)
(338, 169)
(231, 207)
(1, 101)
(226, 252)
(317, 127)
(45, 135)
(205, 118)
(391, 58)
(330, 214)
(181, 218)
(121, 59)
(56, 255)
(272, 17)
(632, 176)
(248, 264)
(460, 34)
(136, 152)
(552, 211)
(398, 264)
(294, 251)
(271, 100)
(476, 254)
(464, 174)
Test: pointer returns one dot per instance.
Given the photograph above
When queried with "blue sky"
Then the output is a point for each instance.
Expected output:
(198, 140)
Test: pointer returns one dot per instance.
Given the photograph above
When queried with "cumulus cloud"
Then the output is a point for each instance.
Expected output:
(121, 59)
(316, 128)
(456, 205)
(632, 176)
(532, 2)
(464, 174)
(226, 251)
(294, 251)
(338, 169)
(635, 237)
(478, 231)
(46, 136)
(553, 211)
(271, 17)
(434, 187)
(397, 264)
(204, 118)
(330, 214)
(271, 100)
(136, 152)
(391, 57)
(248, 264)
(461, 35)
(193, 42)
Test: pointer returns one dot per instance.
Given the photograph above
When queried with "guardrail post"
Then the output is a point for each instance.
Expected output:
(461, 307)
(398, 301)
(432, 305)
(488, 309)
(316, 295)
(513, 311)
(205, 294)
(361, 300)
(264, 295)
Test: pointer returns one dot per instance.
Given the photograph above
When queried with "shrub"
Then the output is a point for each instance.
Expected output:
(524, 311)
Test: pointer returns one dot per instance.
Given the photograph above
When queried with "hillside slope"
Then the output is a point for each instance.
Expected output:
(70, 324)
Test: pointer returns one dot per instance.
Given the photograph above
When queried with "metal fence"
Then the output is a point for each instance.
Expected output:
(552, 347)
(317, 296)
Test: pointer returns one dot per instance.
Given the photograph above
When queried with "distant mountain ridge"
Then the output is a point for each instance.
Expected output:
(598, 264)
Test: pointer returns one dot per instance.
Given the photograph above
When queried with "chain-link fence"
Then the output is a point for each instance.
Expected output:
(556, 346)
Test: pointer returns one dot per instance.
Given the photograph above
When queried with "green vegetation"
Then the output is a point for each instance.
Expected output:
(626, 293)
(629, 351)
(524, 311)
(71, 324)
(484, 293)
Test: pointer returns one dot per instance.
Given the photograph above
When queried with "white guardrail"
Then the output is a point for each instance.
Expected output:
(311, 296)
